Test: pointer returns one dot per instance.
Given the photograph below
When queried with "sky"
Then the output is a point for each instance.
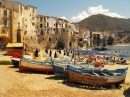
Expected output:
(76, 10)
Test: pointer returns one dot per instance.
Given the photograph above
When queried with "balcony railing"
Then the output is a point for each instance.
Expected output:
(5, 16)
(5, 25)
(19, 28)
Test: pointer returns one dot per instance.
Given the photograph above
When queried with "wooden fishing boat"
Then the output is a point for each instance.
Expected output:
(35, 65)
(97, 77)
(15, 61)
(59, 68)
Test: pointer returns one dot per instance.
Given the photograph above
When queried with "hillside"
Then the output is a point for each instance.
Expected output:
(105, 23)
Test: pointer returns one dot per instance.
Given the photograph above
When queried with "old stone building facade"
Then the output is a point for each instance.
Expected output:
(4, 26)
(20, 21)
(51, 29)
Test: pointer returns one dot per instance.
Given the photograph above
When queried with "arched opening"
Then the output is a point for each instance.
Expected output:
(3, 42)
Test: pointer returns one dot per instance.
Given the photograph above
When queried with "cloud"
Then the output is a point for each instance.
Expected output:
(79, 17)
(92, 11)
(63, 17)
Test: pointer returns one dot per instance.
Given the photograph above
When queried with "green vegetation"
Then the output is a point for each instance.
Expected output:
(3, 62)
(128, 39)
(60, 44)
(110, 40)
(105, 23)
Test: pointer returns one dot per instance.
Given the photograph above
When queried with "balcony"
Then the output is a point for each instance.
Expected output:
(33, 15)
(33, 20)
(19, 28)
(6, 26)
(6, 16)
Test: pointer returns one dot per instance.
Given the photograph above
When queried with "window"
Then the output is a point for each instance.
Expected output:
(33, 24)
(70, 44)
(47, 24)
(80, 39)
(49, 39)
(33, 18)
(40, 19)
(5, 22)
(5, 12)
(25, 32)
(3, 31)
(56, 24)
(33, 10)
(41, 25)
(18, 25)
(42, 31)
(44, 19)
(26, 7)
(98, 36)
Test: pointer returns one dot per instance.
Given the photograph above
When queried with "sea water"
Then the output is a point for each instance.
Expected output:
(119, 49)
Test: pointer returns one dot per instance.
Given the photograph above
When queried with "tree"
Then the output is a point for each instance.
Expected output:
(110, 40)
(60, 44)
(128, 39)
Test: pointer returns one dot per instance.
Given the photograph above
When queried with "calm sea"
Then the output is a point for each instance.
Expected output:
(119, 49)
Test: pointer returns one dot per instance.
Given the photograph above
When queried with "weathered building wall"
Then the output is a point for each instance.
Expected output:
(4, 24)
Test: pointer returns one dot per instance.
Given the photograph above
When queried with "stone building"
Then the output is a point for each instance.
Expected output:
(51, 29)
(4, 26)
(96, 39)
(23, 20)
(20, 22)
(84, 38)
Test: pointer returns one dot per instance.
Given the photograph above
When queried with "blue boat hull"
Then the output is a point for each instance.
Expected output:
(97, 78)
(59, 70)
(15, 62)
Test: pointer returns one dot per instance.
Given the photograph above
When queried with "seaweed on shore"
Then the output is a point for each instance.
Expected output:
(4, 62)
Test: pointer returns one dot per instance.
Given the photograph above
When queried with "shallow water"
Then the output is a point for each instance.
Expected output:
(119, 49)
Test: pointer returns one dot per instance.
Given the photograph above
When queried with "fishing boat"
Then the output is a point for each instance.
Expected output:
(15, 61)
(35, 65)
(59, 68)
(93, 77)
